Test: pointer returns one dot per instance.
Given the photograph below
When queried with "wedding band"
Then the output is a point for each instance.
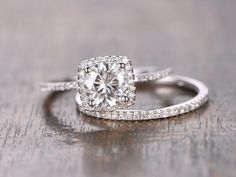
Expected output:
(175, 110)
(106, 86)
(107, 83)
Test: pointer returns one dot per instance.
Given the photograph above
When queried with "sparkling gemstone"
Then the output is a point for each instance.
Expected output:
(107, 84)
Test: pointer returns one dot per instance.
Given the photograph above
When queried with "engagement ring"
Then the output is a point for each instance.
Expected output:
(106, 87)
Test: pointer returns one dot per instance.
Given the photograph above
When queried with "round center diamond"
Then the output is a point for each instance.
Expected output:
(107, 84)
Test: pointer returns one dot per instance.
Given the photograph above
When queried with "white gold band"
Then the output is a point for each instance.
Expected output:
(106, 88)
(142, 74)
(181, 81)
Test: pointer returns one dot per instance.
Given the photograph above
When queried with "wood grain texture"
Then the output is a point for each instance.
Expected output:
(44, 135)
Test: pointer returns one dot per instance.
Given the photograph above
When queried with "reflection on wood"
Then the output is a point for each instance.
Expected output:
(45, 135)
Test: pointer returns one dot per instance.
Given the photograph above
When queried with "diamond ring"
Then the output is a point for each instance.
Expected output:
(106, 87)
(107, 83)
(148, 114)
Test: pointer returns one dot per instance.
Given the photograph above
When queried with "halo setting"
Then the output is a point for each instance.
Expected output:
(106, 86)
(106, 83)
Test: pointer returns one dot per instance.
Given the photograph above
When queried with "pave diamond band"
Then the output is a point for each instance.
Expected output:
(107, 83)
(150, 74)
(106, 87)
(190, 105)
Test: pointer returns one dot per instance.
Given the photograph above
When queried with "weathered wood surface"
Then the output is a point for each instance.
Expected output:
(44, 135)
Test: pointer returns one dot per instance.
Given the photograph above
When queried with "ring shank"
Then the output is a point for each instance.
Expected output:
(187, 106)
(142, 74)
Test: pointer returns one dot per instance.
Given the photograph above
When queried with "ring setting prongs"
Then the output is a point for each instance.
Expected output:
(106, 83)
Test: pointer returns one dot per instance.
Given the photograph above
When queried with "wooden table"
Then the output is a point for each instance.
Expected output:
(43, 135)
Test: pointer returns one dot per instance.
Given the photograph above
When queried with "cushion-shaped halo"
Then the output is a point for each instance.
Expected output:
(106, 83)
